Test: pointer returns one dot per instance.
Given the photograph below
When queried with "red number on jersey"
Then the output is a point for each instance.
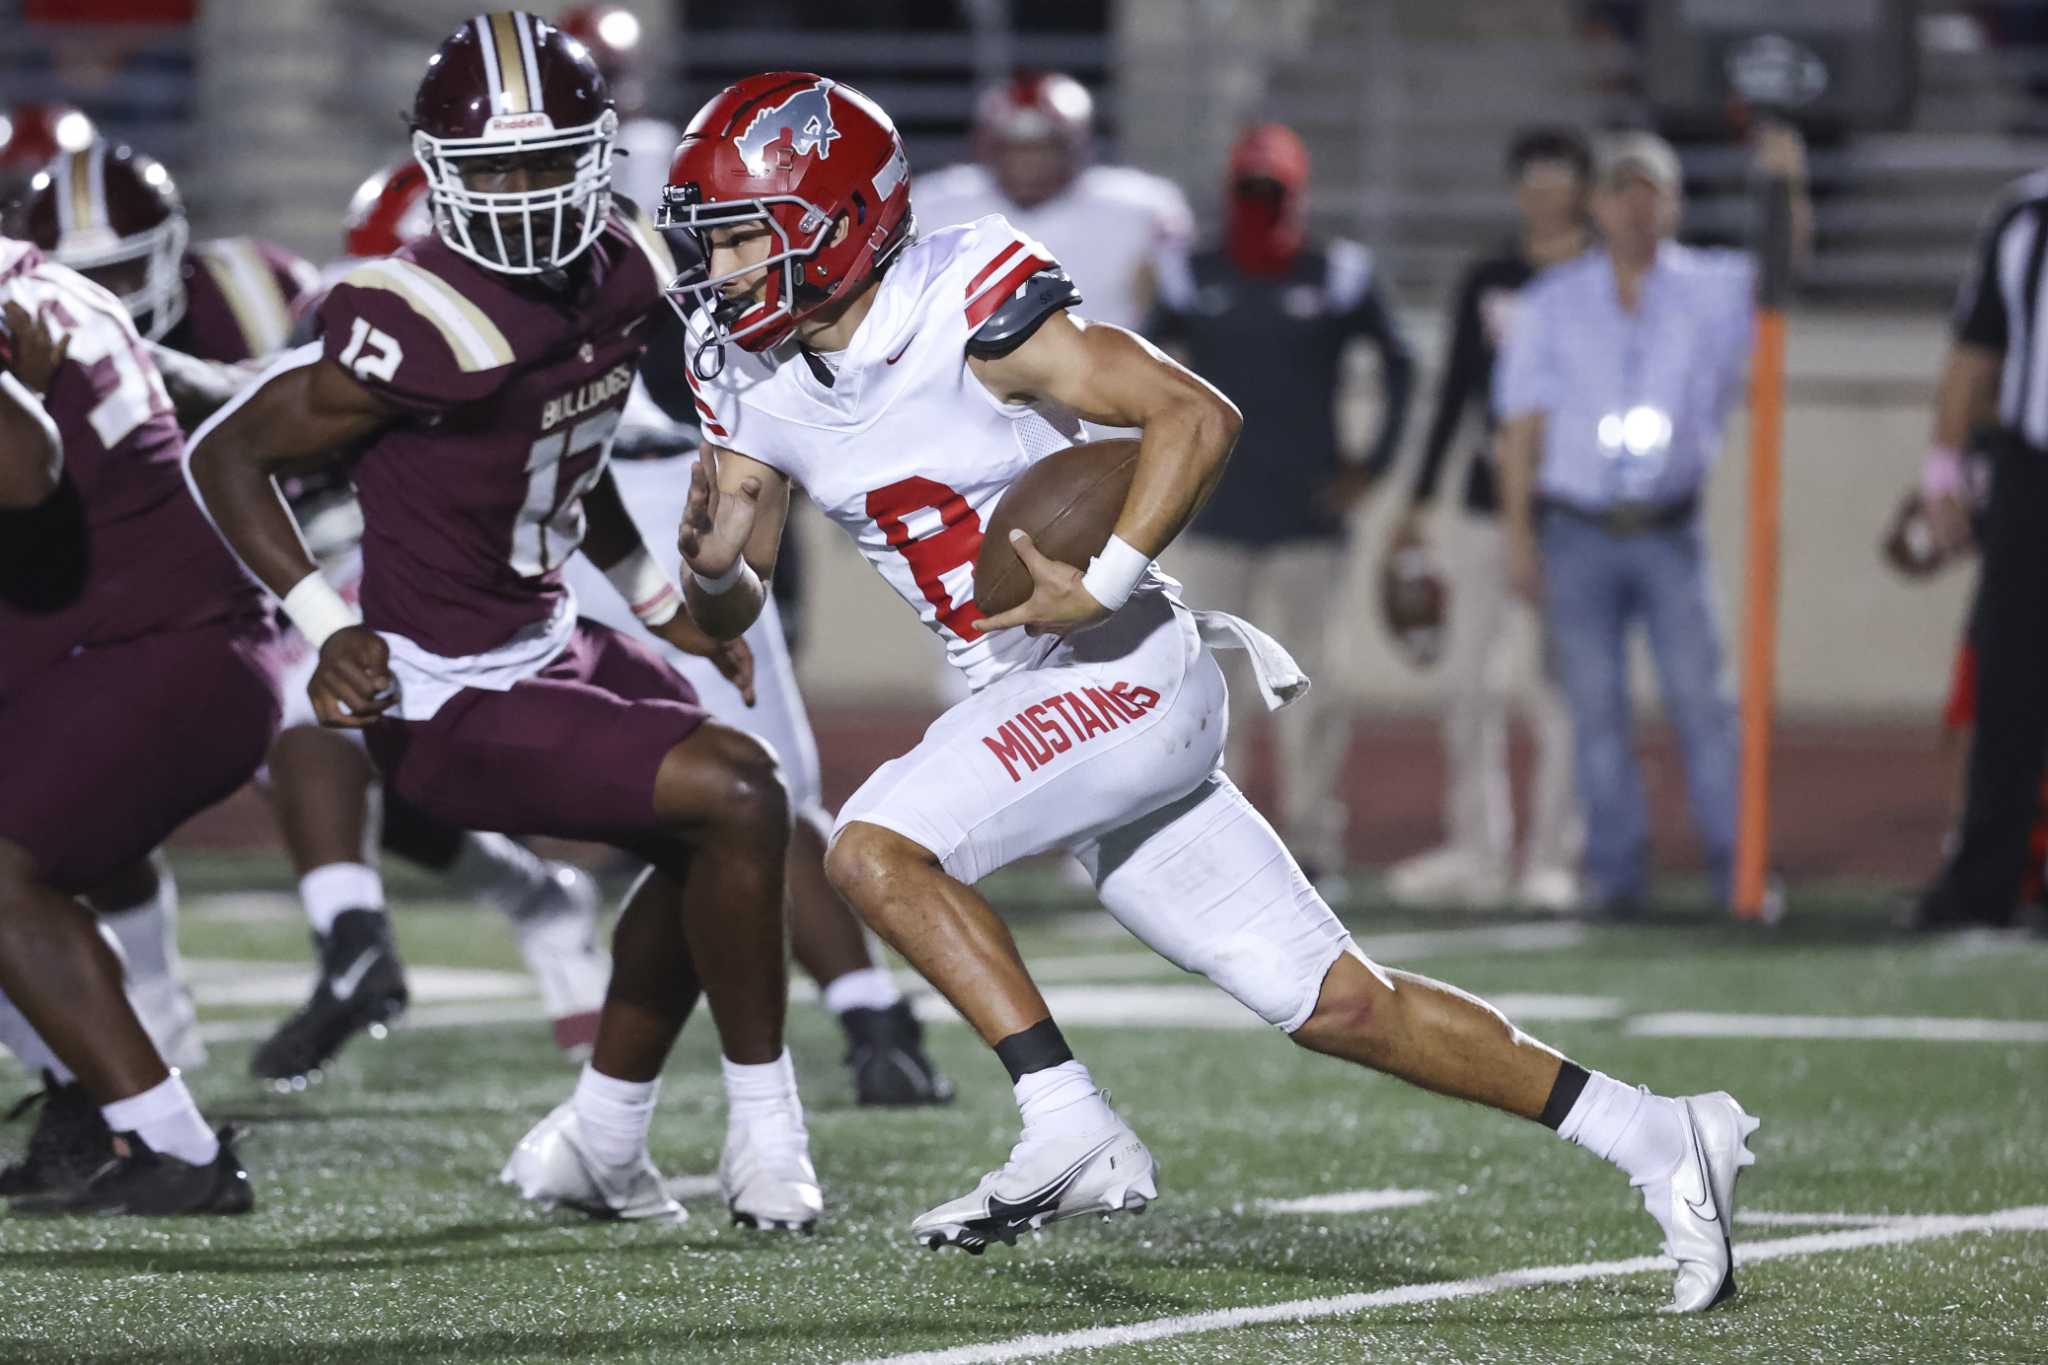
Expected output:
(956, 542)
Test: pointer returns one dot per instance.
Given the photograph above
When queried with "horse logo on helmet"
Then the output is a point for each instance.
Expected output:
(806, 116)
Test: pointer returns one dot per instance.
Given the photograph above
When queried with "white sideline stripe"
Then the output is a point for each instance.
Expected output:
(458, 1015)
(1203, 1006)
(1887, 1028)
(1773, 1218)
(2032, 1218)
(228, 983)
(1348, 1201)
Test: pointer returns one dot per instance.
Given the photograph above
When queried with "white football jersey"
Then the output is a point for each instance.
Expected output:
(1106, 226)
(905, 449)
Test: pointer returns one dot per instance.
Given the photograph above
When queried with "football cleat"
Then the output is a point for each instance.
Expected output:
(145, 1184)
(1045, 1181)
(766, 1175)
(553, 1167)
(558, 939)
(885, 1052)
(1695, 1204)
(361, 989)
(69, 1143)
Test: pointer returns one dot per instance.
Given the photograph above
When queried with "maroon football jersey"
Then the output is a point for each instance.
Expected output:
(152, 562)
(511, 390)
(241, 297)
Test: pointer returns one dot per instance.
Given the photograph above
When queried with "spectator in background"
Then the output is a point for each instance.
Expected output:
(1613, 388)
(1496, 644)
(1105, 224)
(1993, 368)
(1267, 316)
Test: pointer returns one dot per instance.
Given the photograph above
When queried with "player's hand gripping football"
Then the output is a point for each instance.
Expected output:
(733, 658)
(716, 522)
(352, 686)
(1058, 603)
(36, 354)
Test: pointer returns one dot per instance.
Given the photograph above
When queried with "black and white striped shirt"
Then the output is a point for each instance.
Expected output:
(2001, 306)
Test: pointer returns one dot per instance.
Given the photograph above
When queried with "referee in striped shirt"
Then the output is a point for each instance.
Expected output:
(1996, 370)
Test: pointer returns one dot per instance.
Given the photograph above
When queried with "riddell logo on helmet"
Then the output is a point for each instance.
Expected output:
(805, 116)
(518, 123)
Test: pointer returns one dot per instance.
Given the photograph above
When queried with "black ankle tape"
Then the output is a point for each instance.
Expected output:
(1037, 1048)
(1564, 1093)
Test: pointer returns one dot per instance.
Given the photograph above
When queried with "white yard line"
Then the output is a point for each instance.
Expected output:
(1348, 1201)
(1772, 1218)
(1887, 1028)
(1916, 1229)
(460, 1014)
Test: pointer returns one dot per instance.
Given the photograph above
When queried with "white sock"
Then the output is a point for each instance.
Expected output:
(1062, 1101)
(1642, 1133)
(327, 891)
(868, 988)
(19, 1037)
(615, 1115)
(765, 1090)
(499, 870)
(148, 933)
(165, 1117)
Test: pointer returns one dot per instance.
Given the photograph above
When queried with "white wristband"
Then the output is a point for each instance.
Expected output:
(649, 591)
(725, 582)
(1115, 574)
(317, 609)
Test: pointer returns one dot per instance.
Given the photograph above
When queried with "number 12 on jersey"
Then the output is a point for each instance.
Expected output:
(550, 524)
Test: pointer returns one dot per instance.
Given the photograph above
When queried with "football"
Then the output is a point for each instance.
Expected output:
(1067, 503)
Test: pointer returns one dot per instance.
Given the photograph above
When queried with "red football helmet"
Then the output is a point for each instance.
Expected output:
(113, 214)
(799, 153)
(387, 211)
(1032, 132)
(508, 85)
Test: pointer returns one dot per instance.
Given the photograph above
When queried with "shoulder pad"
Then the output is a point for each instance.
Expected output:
(1018, 316)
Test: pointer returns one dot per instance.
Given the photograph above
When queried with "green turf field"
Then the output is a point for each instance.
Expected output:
(1899, 1211)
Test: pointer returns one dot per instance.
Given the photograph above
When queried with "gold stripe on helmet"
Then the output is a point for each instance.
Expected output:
(511, 65)
(80, 189)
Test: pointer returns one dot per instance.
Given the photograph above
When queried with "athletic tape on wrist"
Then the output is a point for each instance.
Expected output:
(1941, 474)
(725, 582)
(317, 609)
(649, 591)
(1115, 574)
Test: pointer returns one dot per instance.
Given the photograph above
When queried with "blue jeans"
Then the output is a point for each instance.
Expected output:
(1597, 585)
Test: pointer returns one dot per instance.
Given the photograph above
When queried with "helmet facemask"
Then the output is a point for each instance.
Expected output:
(157, 304)
(752, 325)
(521, 232)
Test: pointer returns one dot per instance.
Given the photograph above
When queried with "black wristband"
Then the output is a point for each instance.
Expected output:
(1564, 1093)
(1038, 1048)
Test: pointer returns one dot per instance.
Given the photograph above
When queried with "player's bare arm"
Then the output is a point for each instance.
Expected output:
(612, 542)
(199, 388)
(31, 452)
(730, 538)
(1113, 377)
(298, 419)
(1963, 396)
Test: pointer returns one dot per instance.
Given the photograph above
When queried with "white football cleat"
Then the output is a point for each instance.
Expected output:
(168, 1015)
(557, 930)
(1695, 1204)
(1045, 1180)
(552, 1167)
(1446, 878)
(766, 1175)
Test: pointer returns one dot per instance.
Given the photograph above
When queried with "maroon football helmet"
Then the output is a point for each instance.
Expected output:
(387, 211)
(797, 152)
(31, 134)
(113, 215)
(504, 89)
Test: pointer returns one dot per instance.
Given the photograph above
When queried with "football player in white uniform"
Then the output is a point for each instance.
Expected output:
(906, 383)
(1105, 224)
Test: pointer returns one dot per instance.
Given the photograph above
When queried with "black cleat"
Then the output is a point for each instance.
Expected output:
(69, 1143)
(147, 1184)
(361, 989)
(885, 1051)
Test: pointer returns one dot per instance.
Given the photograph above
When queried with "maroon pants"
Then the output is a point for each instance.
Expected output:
(571, 752)
(103, 754)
